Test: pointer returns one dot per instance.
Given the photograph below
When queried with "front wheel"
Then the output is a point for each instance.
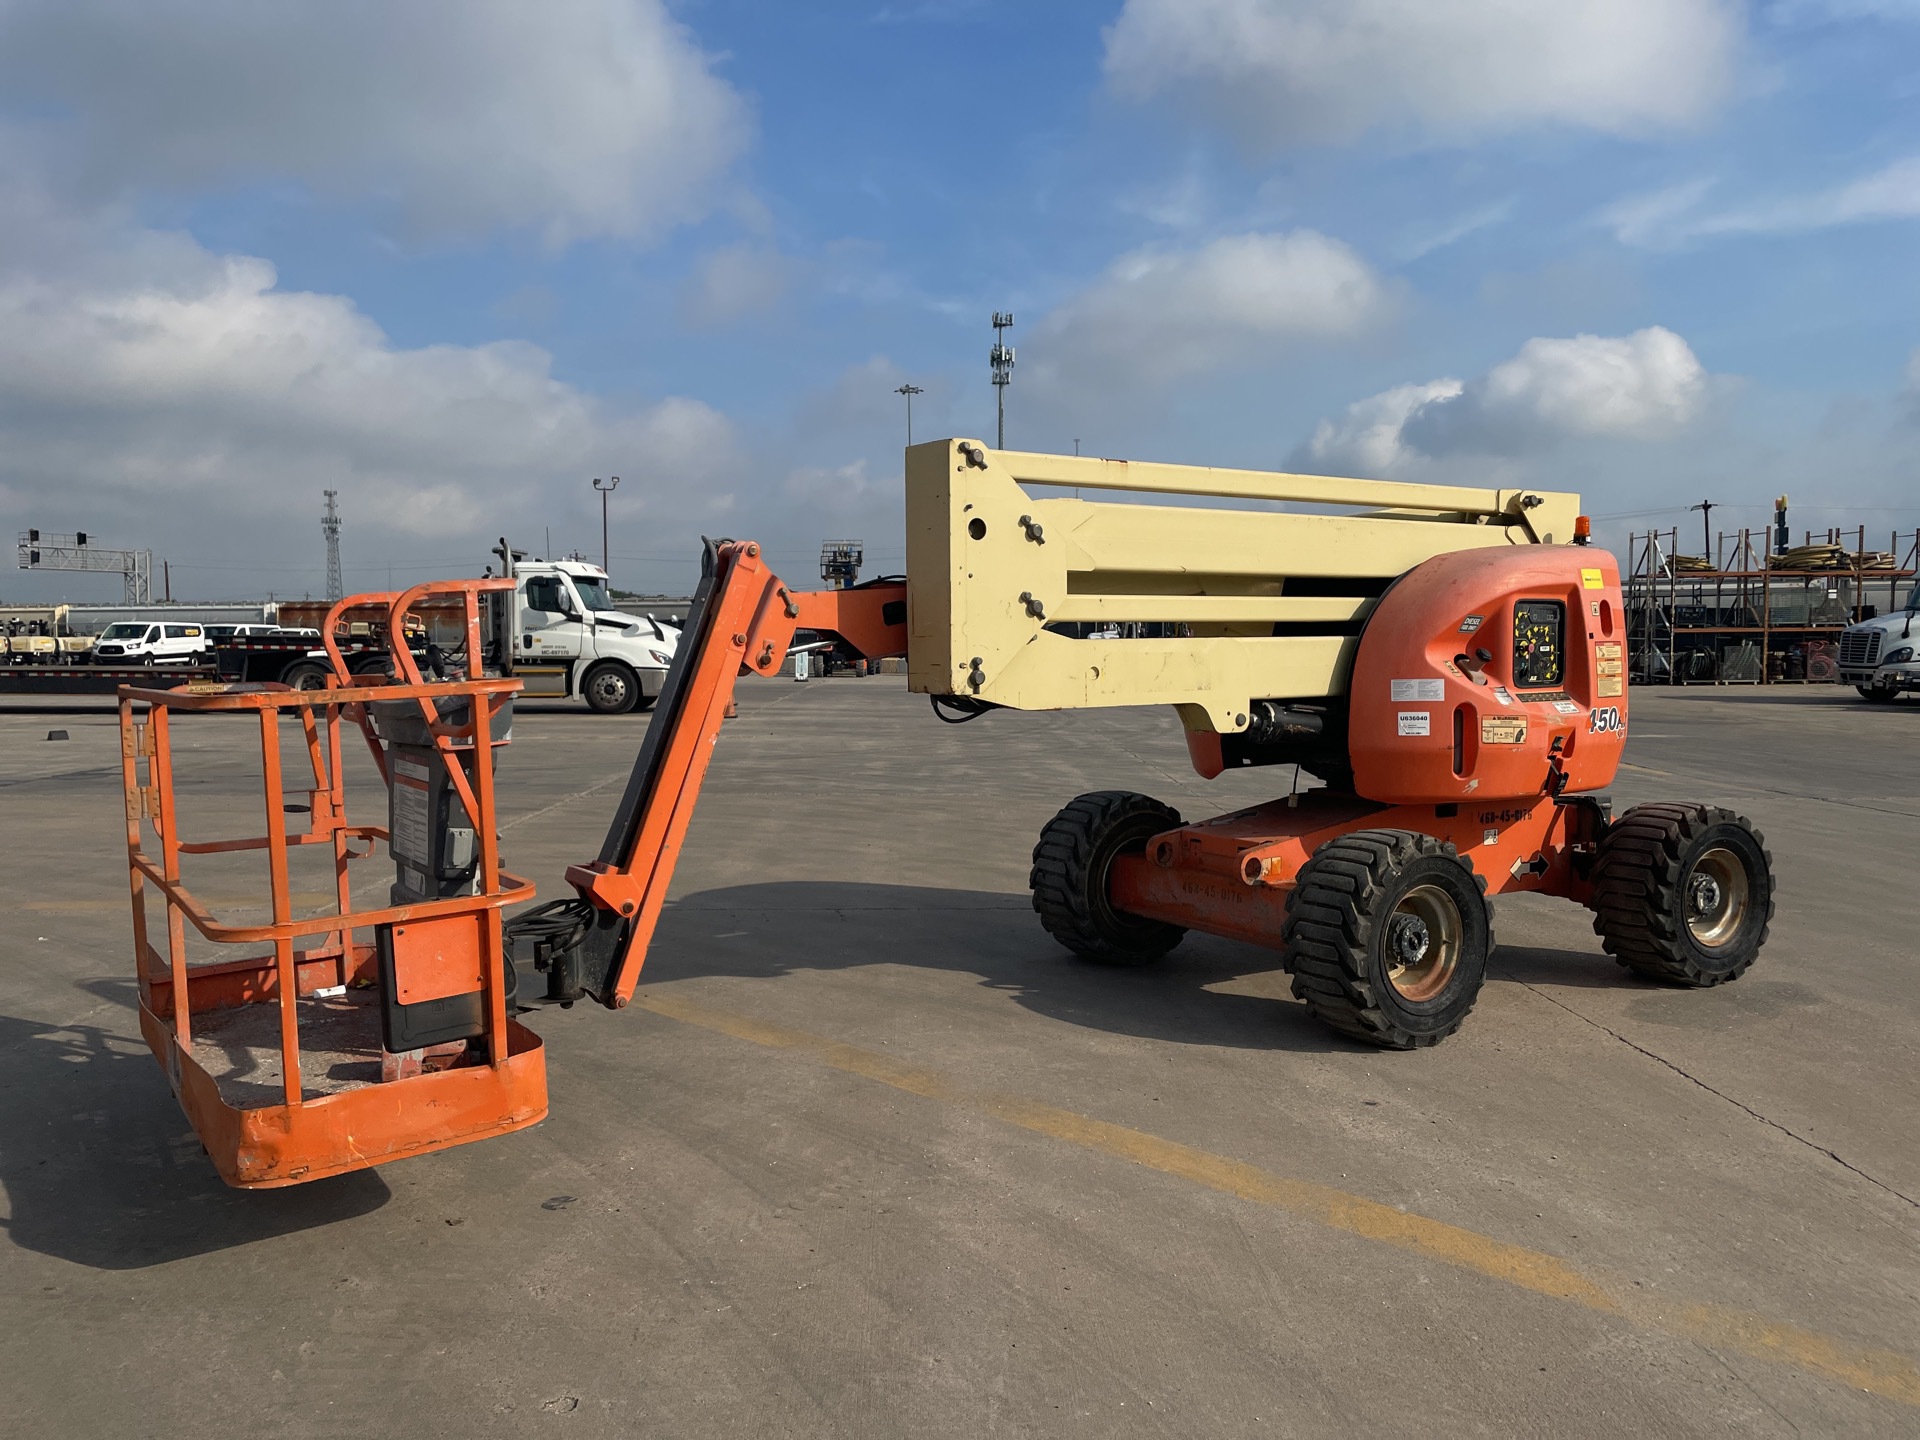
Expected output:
(610, 689)
(1387, 935)
(1071, 866)
(1683, 893)
(1878, 694)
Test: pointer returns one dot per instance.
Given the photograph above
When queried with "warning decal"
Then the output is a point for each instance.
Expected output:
(1418, 689)
(1503, 729)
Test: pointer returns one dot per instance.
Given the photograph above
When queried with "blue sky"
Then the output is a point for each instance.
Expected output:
(455, 257)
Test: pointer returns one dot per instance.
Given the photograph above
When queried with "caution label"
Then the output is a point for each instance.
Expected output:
(1503, 729)
(1418, 689)
(1610, 686)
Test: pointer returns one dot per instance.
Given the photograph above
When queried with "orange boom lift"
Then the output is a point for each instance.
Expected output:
(1464, 712)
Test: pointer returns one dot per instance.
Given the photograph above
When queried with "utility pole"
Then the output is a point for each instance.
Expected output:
(330, 527)
(1001, 358)
(909, 391)
(1705, 507)
(605, 490)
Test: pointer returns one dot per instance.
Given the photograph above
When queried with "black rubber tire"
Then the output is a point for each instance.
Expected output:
(644, 703)
(1337, 935)
(305, 675)
(1069, 877)
(1641, 892)
(1878, 694)
(610, 688)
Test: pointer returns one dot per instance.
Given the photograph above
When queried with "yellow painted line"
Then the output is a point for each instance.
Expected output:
(1645, 769)
(1881, 1372)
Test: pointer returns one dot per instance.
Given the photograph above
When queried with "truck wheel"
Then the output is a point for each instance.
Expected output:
(1387, 935)
(1878, 694)
(1069, 877)
(305, 675)
(1683, 893)
(610, 688)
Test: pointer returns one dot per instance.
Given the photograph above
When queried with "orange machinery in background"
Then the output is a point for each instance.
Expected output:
(1482, 712)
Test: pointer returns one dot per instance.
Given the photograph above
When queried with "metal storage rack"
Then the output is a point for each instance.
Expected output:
(1740, 620)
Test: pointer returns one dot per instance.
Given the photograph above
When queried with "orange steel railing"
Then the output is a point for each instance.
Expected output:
(500, 1086)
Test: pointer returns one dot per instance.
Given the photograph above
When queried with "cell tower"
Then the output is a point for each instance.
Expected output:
(330, 527)
(1001, 358)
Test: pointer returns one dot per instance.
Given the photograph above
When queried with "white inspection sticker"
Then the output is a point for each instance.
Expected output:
(1416, 722)
(1419, 690)
(1566, 707)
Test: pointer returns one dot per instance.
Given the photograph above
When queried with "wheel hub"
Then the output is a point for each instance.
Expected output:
(1717, 897)
(1423, 941)
(1407, 940)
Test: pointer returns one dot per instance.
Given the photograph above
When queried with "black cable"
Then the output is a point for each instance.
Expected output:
(554, 928)
(966, 707)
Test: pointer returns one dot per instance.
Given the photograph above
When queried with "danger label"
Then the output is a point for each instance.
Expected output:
(1416, 722)
(1503, 729)
(1419, 690)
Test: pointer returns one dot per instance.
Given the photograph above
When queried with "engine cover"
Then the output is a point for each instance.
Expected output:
(1492, 674)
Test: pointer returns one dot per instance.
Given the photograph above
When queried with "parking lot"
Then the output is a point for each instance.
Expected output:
(871, 1155)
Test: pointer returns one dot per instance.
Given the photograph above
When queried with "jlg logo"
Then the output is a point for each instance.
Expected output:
(1606, 721)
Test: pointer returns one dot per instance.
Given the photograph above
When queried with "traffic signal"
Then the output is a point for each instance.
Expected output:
(81, 538)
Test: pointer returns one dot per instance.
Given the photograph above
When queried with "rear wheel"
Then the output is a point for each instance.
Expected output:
(610, 688)
(1683, 893)
(305, 675)
(1387, 935)
(1071, 866)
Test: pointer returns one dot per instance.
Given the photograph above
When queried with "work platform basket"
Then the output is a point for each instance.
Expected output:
(285, 1059)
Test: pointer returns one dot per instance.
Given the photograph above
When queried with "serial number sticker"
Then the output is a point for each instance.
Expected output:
(1416, 722)
(1606, 720)
(1418, 690)
(1593, 580)
(1566, 707)
(1503, 729)
(1472, 623)
(1610, 686)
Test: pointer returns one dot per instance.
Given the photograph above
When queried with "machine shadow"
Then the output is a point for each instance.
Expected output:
(101, 1168)
(1207, 992)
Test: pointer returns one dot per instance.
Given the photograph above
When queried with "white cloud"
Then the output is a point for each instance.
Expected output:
(572, 117)
(1643, 386)
(1159, 315)
(160, 394)
(1281, 72)
(733, 284)
(1677, 216)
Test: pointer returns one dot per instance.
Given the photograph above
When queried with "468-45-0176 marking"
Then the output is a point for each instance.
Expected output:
(1606, 720)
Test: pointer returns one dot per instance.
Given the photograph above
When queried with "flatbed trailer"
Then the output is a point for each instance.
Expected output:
(98, 679)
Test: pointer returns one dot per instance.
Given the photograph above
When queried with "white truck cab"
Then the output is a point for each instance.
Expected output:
(1881, 657)
(152, 642)
(568, 639)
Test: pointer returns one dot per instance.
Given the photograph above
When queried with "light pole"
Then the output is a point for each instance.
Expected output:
(605, 490)
(1001, 358)
(909, 391)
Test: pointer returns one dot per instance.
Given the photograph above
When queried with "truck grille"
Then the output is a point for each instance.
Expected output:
(1859, 647)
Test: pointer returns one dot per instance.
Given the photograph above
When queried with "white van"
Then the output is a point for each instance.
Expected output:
(153, 642)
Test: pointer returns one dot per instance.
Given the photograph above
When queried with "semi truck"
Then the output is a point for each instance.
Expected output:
(1881, 657)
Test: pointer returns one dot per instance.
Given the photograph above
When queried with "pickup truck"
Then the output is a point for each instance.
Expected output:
(1881, 657)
